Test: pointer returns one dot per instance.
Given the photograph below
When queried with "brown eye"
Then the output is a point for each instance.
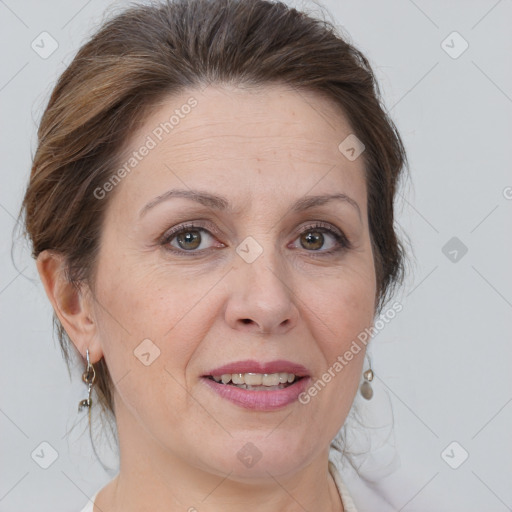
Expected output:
(189, 239)
(316, 237)
(312, 240)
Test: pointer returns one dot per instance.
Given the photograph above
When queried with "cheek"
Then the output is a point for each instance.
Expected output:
(146, 309)
(141, 300)
(147, 341)
(344, 310)
(346, 302)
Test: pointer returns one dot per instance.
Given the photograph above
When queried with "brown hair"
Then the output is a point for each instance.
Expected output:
(149, 52)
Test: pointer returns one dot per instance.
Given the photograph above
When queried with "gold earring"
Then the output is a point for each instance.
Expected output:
(88, 377)
(366, 388)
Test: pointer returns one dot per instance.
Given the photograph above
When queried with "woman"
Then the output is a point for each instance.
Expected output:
(211, 210)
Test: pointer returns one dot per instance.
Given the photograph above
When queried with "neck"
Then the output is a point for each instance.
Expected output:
(127, 495)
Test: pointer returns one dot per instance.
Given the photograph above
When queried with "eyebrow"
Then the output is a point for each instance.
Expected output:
(221, 203)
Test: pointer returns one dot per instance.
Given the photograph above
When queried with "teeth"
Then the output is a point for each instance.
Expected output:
(256, 379)
(237, 378)
(253, 379)
(270, 380)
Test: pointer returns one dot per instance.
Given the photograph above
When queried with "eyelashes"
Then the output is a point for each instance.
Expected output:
(187, 234)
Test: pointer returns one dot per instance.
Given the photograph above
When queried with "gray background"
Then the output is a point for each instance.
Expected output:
(442, 365)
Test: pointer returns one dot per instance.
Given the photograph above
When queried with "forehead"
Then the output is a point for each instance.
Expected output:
(247, 141)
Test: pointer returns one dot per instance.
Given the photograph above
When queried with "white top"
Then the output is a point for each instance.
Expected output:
(348, 504)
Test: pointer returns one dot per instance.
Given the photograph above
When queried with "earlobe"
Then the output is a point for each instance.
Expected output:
(72, 305)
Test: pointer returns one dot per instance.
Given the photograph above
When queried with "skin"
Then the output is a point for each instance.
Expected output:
(262, 149)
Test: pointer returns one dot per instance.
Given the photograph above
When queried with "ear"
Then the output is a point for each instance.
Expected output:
(72, 306)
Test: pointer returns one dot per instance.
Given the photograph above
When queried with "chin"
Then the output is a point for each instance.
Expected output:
(256, 457)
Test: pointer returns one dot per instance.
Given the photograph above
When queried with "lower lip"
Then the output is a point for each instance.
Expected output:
(259, 400)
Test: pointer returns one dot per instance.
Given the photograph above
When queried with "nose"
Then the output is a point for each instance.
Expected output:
(261, 298)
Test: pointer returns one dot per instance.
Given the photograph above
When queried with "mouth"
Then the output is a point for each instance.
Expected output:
(257, 381)
(258, 386)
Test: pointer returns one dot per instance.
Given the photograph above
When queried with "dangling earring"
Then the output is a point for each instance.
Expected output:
(366, 389)
(88, 377)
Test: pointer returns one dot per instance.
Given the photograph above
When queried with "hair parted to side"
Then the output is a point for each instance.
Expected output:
(149, 52)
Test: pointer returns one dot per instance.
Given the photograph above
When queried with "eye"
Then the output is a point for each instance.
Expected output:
(188, 238)
(312, 238)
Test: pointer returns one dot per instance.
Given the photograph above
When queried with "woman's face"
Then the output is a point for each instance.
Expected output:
(260, 276)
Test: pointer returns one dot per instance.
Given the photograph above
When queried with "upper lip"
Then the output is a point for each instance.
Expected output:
(250, 366)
